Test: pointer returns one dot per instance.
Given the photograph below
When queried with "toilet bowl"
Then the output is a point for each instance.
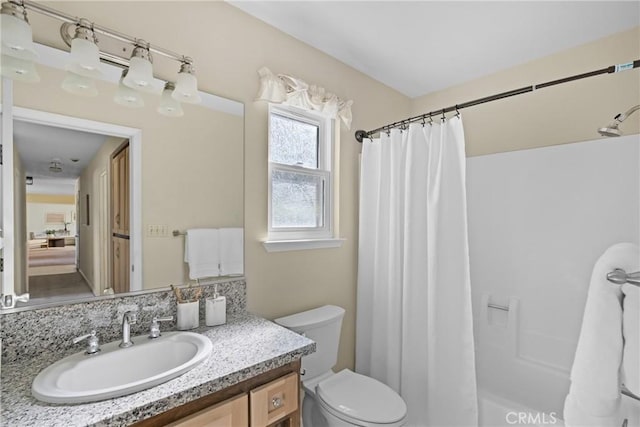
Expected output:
(345, 398)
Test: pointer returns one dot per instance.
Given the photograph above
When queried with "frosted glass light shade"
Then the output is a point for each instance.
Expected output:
(186, 88)
(140, 75)
(19, 69)
(169, 106)
(84, 59)
(17, 38)
(79, 85)
(128, 97)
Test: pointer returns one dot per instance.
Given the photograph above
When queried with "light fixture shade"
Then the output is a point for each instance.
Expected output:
(186, 85)
(79, 85)
(140, 74)
(17, 38)
(169, 106)
(127, 96)
(84, 59)
(19, 69)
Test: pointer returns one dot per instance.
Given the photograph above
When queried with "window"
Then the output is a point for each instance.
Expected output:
(300, 178)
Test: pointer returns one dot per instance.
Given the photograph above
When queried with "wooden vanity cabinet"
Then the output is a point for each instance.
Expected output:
(271, 399)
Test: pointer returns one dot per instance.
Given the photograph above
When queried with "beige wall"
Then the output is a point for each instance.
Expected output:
(561, 114)
(228, 47)
(88, 236)
(37, 215)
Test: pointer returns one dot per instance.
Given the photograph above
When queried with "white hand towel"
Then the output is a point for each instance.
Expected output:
(202, 252)
(594, 396)
(631, 333)
(231, 251)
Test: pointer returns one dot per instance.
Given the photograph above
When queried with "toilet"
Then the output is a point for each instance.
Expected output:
(344, 398)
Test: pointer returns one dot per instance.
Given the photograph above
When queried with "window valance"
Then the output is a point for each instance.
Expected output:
(285, 89)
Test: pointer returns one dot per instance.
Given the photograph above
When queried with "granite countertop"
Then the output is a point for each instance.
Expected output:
(244, 347)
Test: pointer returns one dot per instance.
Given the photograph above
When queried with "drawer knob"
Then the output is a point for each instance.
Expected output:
(276, 402)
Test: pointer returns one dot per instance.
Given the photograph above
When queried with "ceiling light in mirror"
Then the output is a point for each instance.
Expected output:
(85, 55)
(17, 38)
(168, 105)
(79, 85)
(19, 69)
(186, 88)
(127, 96)
(140, 75)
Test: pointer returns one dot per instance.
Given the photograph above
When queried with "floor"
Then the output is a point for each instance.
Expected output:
(57, 287)
(45, 261)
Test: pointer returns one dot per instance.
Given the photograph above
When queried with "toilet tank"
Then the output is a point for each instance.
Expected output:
(321, 325)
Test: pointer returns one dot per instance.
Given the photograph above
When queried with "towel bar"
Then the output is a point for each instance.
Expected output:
(498, 307)
(626, 392)
(620, 277)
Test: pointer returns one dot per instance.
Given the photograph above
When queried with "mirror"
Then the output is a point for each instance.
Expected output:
(181, 173)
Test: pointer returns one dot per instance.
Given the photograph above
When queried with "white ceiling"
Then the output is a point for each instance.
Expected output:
(418, 47)
(37, 145)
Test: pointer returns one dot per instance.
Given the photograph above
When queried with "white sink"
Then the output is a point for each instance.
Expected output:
(116, 371)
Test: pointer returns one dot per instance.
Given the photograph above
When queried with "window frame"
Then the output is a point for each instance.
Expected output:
(326, 144)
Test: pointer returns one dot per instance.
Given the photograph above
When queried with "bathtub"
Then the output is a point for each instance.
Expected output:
(496, 411)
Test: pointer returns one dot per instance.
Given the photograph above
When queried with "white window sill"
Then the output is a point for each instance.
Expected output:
(297, 245)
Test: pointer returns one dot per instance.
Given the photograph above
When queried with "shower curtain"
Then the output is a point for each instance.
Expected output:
(414, 321)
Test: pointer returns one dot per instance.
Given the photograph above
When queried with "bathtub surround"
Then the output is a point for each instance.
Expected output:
(538, 221)
(414, 325)
(599, 367)
(25, 334)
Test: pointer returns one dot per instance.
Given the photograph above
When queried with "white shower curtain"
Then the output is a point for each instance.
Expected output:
(414, 321)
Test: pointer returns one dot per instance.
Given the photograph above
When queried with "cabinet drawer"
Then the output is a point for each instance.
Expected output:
(274, 400)
(230, 413)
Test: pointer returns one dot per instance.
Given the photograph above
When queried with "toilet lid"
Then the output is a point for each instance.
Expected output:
(361, 398)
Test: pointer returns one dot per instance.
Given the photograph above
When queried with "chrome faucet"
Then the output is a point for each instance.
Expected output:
(128, 319)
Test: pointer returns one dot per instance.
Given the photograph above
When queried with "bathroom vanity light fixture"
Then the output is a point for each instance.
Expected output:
(186, 87)
(79, 85)
(80, 34)
(17, 38)
(18, 69)
(140, 74)
(168, 104)
(84, 59)
(612, 129)
(17, 47)
(127, 96)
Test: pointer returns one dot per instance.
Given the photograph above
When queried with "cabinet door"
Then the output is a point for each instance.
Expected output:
(274, 401)
(120, 260)
(233, 412)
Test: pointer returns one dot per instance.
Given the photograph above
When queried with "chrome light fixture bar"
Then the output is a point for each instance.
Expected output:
(84, 62)
(65, 17)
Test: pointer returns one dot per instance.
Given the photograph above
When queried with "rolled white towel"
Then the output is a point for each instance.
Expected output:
(594, 396)
(631, 333)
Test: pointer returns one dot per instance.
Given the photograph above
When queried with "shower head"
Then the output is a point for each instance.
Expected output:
(612, 129)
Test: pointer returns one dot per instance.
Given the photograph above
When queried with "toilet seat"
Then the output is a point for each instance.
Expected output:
(361, 400)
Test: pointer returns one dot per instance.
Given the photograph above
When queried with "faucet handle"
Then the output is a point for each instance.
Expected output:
(131, 317)
(154, 331)
(93, 344)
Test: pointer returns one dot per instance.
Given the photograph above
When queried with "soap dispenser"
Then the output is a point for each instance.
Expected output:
(216, 309)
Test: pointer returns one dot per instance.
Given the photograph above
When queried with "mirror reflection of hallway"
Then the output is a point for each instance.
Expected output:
(67, 246)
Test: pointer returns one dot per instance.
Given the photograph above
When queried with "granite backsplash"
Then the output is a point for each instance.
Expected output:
(25, 334)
